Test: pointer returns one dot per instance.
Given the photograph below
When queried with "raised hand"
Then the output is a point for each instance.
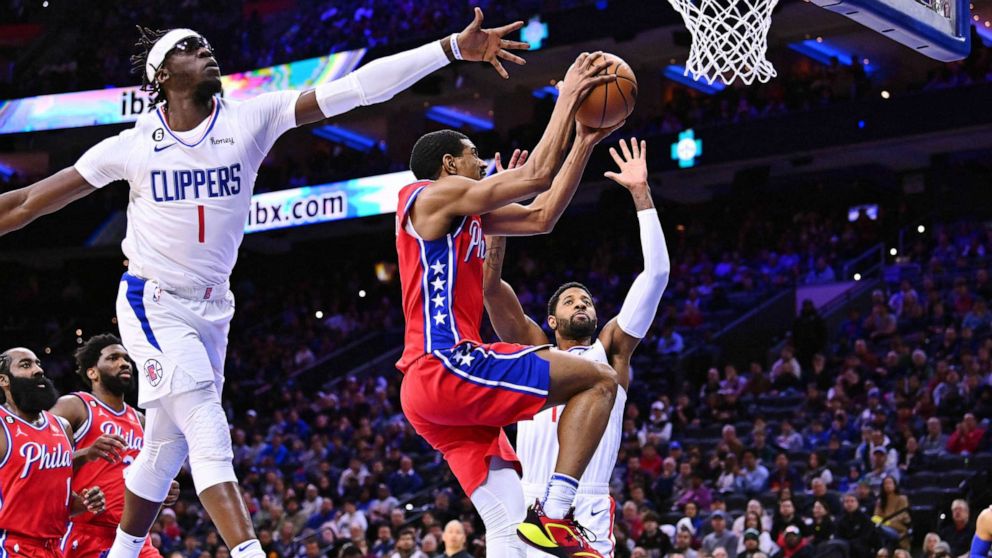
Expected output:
(633, 165)
(585, 74)
(516, 160)
(488, 45)
(594, 135)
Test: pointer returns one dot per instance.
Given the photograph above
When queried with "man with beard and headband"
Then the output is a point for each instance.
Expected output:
(572, 317)
(104, 366)
(191, 165)
(36, 463)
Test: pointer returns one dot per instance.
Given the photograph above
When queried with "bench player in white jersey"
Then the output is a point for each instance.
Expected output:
(572, 317)
(191, 166)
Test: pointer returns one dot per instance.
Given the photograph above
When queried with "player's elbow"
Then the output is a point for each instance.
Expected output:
(658, 277)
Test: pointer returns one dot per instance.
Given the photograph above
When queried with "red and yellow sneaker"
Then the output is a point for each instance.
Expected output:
(558, 537)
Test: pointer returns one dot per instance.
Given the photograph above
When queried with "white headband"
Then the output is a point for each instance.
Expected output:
(162, 47)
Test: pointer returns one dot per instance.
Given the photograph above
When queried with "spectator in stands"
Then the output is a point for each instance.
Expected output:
(754, 476)
(753, 507)
(817, 468)
(783, 475)
(758, 383)
(670, 342)
(652, 539)
(966, 438)
(698, 493)
(726, 483)
(819, 492)
(821, 273)
(755, 522)
(405, 481)
(384, 543)
(978, 318)
(664, 485)
(786, 517)
(733, 383)
(719, 537)
(658, 428)
(856, 528)
(822, 526)
(788, 439)
(958, 532)
(630, 518)
(881, 324)
(793, 544)
(786, 372)
(683, 543)
(880, 470)
(892, 509)
(351, 515)
(929, 545)
(934, 443)
(729, 436)
(911, 459)
(406, 545)
(454, 540)
(751, 544)
(809, 333)
(950, 395)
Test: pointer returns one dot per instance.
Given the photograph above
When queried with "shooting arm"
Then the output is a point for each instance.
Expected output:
(541, 216)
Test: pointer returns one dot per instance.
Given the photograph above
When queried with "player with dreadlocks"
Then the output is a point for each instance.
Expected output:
(191, 165)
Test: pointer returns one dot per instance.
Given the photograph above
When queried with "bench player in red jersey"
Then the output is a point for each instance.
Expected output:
(457, 392)
(36, 463)
(109, 434)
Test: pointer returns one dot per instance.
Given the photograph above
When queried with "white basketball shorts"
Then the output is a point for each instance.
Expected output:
(177, 337)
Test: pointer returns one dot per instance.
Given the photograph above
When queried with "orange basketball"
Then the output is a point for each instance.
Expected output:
(610, 103)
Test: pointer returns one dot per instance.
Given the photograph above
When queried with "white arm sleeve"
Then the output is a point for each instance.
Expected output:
(106, 161)
(642, 300)
(379, 80)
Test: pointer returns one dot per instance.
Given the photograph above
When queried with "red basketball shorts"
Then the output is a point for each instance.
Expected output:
(459, 400)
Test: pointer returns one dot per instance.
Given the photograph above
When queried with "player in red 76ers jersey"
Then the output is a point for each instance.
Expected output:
(109, 432)
(459, 393)
(36, 463)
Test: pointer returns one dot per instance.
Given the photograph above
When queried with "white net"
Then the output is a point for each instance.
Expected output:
(729, 39)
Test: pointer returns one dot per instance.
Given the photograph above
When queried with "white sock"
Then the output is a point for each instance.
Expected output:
(126, 545)
(559, 496)
(248, 549)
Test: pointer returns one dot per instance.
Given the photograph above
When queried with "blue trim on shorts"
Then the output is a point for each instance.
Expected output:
(521, 371)
(136, 298)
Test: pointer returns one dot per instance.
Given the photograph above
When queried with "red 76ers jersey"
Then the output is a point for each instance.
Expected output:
(35, 476)
(101, 420)
(441, 281)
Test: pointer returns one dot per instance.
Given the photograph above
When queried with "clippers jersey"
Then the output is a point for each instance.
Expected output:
(35, 477)
(441, 281)
(101, 420)
(537, 439)
(190, 191)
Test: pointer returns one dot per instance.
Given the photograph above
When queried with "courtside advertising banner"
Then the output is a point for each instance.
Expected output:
(120, 105)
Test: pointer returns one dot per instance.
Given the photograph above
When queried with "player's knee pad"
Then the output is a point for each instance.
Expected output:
(202, 420)
(500, 503)
(151, 474)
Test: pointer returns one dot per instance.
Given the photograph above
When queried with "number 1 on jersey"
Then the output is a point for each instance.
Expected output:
(199, 215)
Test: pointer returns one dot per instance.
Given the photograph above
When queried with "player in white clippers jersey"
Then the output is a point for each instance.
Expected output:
(191, 166)
(572, 317)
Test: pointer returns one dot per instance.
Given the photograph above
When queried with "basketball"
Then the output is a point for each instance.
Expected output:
(610, 103)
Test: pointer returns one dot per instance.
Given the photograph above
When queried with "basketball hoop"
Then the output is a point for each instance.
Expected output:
(729, 39)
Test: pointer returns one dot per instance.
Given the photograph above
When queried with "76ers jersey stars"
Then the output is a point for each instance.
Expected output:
(441, 280)
(35, 477)
(108, 476)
